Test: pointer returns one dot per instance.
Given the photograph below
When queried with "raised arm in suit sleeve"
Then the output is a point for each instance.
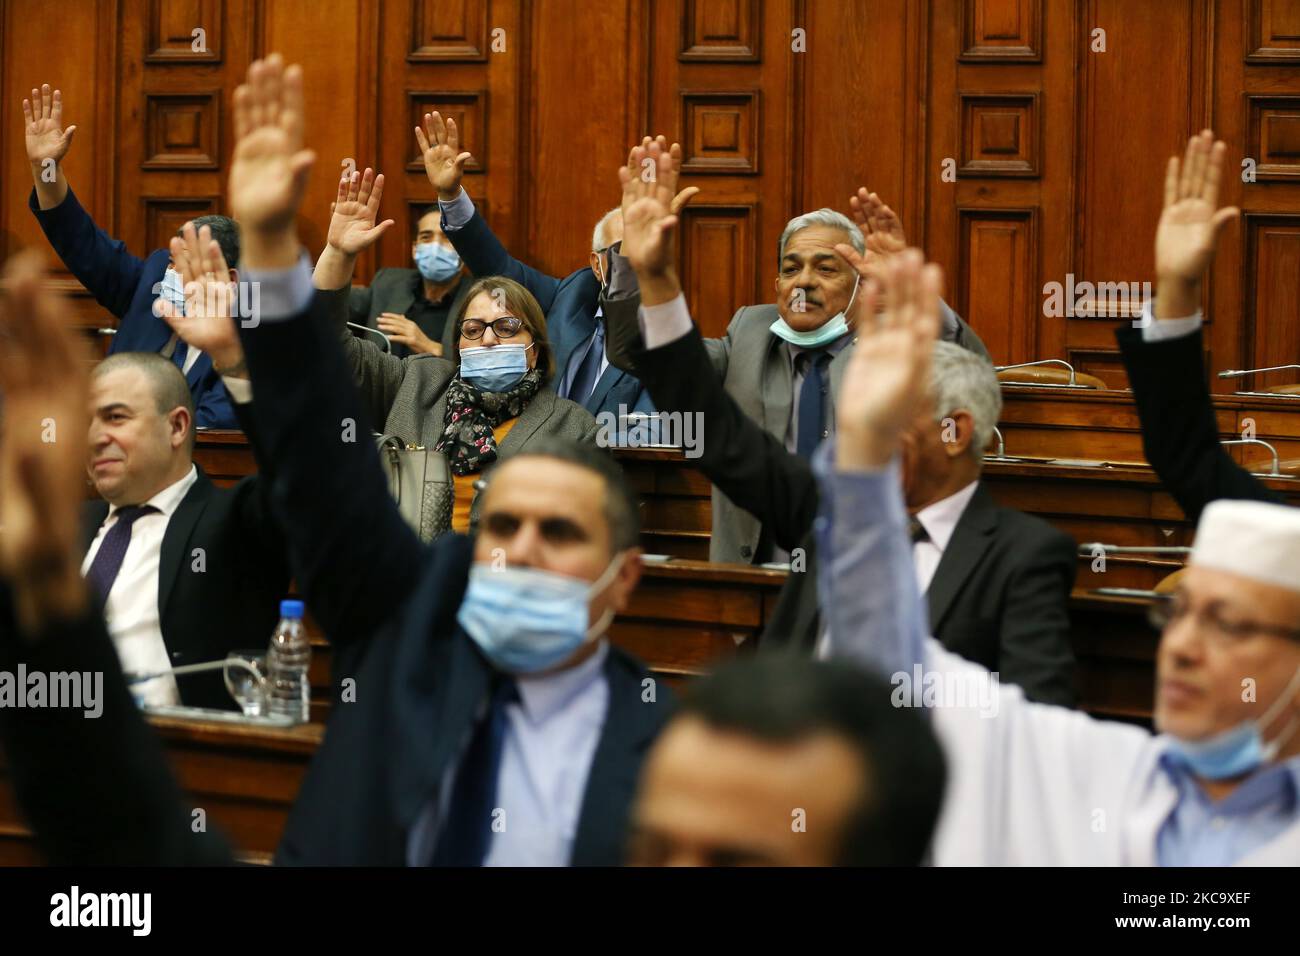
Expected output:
(956, 330)
(1035, 651)
(751, 467)
(1179, 433)
(215, 409)
(101, 264)
(96, 790)
(355, 558)
(620, 306)
(483, 252)
(378, 374)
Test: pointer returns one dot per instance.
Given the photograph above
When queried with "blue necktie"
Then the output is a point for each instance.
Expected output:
(811, 426)
(179, 354)
(588, 371)
(468, 828)
(108, 559)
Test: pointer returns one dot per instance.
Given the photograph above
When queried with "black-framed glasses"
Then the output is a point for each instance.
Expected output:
(506, 327)
(1170, 608)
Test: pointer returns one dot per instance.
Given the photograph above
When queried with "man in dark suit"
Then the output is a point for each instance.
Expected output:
(493, 722)
(415, 307)
(784, 363)
(572, 304)
(187, 571)
(1165, 355)
(998, 580)
(127, 286)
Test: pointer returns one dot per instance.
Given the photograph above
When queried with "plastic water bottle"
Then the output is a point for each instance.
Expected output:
(287, 661)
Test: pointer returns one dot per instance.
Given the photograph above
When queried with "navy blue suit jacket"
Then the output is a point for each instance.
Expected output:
(570, 307)
(388, 604)
(127, 286)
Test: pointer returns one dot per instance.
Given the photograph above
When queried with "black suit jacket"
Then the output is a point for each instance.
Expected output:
(1179, 434)
(999, 596)
(388, 603)
(221, 574)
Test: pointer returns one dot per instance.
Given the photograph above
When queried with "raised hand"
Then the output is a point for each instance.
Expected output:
(43, 367)
(444, 163)
(880, 225)
(269, 169)
(887, 382)
(46, 137)
(210, 298)
(648, 219)
(670, 176)
(353, 213)
(1190, 222)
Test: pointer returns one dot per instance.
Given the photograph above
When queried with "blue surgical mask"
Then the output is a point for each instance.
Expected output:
(816, 338)
(495, 368)
(436, 262)
(525, 620)
(1238, 750)
(172, 290)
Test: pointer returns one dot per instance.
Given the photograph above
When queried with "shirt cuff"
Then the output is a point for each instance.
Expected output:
(457, 213)
(664, 323)
(1157, 330)
(239, 389)
(279, 294)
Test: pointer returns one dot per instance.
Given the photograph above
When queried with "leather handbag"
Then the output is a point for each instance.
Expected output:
(419, 480)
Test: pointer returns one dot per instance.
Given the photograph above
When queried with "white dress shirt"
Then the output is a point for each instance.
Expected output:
(131, 612)
(939, 520)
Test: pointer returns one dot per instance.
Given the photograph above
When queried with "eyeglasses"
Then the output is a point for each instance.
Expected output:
(505, 327)
(1172, 608)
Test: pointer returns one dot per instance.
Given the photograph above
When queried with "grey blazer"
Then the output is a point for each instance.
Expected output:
(755, 371)
(408, 396)
(393, 290)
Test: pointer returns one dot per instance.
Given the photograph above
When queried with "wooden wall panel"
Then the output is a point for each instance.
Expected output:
(994, 284)
(965, 115)
(1272, 332)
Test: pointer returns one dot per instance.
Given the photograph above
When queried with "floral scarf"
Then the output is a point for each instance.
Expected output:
(472, 414)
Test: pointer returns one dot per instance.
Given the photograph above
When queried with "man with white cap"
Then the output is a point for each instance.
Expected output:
(1035, 784)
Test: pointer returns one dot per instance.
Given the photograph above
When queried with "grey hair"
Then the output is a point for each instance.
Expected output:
(822, 217)
(598, 233)
(960, 379)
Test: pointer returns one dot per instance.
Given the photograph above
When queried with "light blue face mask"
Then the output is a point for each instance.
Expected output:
(172, 290)
(494, 369)
(525, 620)
(822, 335)
(1241, 749)
(436, 262)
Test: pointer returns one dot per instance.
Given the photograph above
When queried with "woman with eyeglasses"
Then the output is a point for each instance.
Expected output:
(486, 400)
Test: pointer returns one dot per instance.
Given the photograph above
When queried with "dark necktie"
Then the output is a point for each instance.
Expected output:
(468, 827)
(588, 371)
(811, 427)
(108, 559)
(917, 530)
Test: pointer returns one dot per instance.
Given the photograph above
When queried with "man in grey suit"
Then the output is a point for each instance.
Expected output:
(414, 307)
(783, 362)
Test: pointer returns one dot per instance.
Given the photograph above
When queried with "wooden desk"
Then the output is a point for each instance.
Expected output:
(245, 779)
(682, 622)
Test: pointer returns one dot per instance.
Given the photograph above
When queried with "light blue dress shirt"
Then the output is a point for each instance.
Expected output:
(550, 742)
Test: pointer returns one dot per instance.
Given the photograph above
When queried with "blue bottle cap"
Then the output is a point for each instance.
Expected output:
(291, 609)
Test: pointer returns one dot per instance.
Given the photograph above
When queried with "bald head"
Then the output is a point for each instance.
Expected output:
(141, 429)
